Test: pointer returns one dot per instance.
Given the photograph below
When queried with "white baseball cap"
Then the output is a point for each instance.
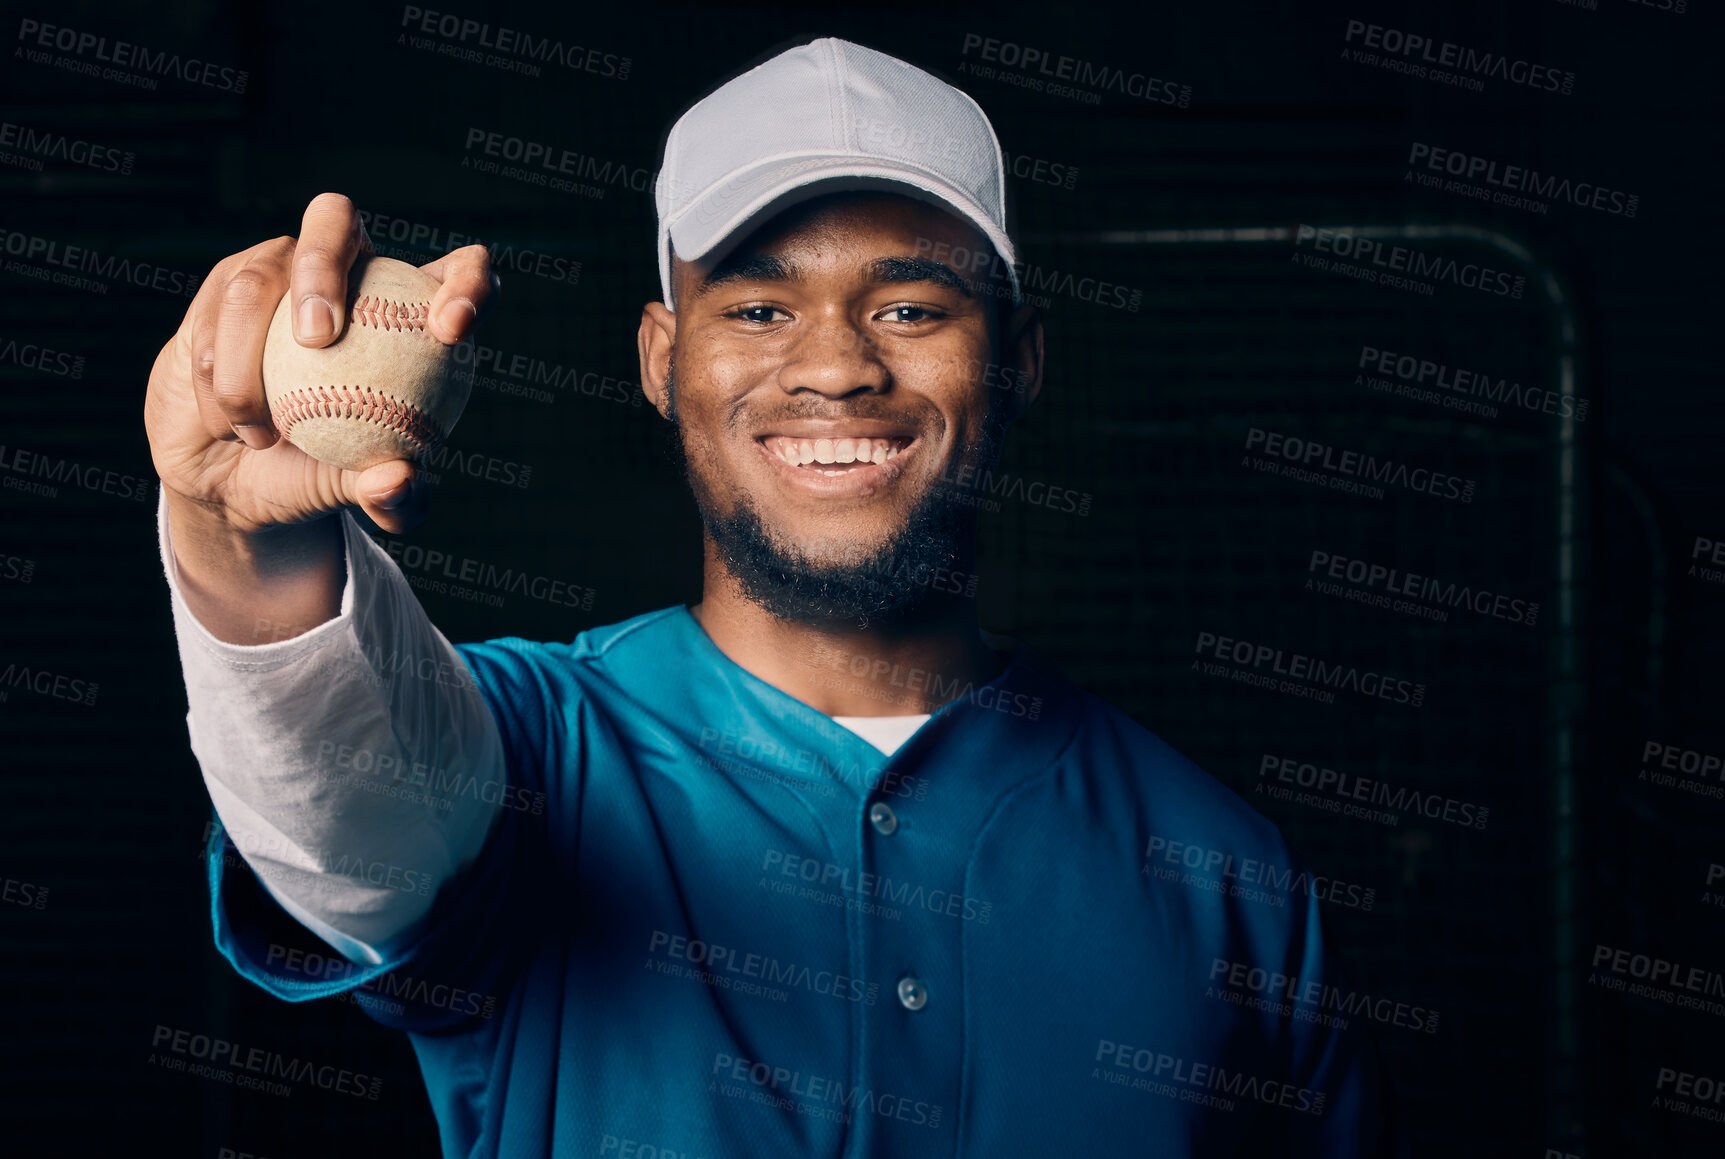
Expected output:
(822, 117)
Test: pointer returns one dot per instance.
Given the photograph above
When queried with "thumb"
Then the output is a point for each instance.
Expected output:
(393, 493)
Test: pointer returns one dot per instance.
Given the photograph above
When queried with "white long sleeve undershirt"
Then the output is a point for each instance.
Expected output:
(317, 752)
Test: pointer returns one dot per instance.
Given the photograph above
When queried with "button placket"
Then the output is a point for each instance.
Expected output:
(913, 947)
(912, 994)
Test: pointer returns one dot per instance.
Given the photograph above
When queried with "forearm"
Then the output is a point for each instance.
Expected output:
(326, 752)
(257, 586)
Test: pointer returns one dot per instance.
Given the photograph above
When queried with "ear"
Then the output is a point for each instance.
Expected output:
(655, 339)
(1021, 350)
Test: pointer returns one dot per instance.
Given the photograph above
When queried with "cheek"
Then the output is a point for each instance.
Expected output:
(954, 376)
(729, 369)
(705, 397)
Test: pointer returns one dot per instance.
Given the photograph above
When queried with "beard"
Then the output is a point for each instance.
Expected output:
(891, 581)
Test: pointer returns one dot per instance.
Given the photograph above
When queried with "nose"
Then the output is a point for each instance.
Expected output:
(833, 356)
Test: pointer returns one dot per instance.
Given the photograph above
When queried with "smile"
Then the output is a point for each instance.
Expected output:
(835, 456)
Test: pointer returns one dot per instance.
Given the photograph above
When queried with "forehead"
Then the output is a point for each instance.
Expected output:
(846, 226)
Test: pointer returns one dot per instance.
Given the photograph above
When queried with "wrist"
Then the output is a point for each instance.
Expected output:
(253, 586)
(203, 528)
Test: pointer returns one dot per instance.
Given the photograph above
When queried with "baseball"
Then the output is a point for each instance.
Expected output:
(385, 389)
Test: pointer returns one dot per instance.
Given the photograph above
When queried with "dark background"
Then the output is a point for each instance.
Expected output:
(1144, 410)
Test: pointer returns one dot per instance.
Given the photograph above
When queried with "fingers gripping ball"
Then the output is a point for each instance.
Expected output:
(386, 389)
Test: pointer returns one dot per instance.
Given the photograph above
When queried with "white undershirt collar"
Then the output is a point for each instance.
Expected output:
(886, 733)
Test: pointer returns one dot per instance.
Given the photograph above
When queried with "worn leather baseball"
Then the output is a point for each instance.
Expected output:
(386, 389)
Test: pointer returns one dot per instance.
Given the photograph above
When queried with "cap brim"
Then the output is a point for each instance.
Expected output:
(720, 218)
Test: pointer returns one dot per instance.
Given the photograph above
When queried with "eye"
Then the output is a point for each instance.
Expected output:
(760, 315)
(909, 314)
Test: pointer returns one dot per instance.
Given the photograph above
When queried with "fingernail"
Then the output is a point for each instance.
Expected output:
(316, 320)
(390, 500)
(457, 314)
(253, 435)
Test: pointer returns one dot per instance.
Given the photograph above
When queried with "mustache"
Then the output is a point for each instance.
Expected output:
(826, 411)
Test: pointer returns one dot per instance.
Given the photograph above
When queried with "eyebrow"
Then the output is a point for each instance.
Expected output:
(900, 270)
(755, 268)
(885, 271)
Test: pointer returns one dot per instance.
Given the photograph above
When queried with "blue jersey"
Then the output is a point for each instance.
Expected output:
(713, 923)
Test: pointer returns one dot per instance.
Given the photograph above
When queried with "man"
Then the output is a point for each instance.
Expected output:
(812, 867)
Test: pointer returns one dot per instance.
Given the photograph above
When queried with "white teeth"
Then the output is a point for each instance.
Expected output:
(802, 452)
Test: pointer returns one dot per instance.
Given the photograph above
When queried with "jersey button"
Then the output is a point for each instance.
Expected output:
(912, 994)
(884, 820)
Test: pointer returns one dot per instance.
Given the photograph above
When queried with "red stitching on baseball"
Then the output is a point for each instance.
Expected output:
(355, 402)
(381, 312)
